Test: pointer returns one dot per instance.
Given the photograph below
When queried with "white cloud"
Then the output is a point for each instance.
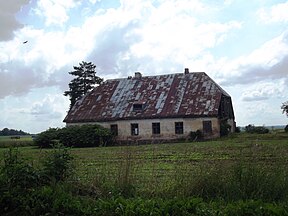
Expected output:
(35, 112)
(8, 22)
(118, 41)
(277, 13)
(48, 108)
(43, 59)
(175, 39)
(228, 2)
(94, 1)
(55, 12)
(142, 36)
(154, 37)
(267, 62)
(264, 91)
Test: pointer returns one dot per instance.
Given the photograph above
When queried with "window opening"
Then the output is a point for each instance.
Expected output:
(156, 128)
(137, 107)
(134, 129)
(114, 129)
(178, 127)
(207, 126)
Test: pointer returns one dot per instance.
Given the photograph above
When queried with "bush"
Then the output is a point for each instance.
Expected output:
(195, 135)
(47, 138)
(237, 130)
(77, 136)
(225, 128)
(286, 129)
(26, 190)
(57, 164)
(85, 136)
(256, 129)
(17, 173)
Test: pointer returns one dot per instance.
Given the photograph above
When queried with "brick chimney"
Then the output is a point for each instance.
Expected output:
(138, 75)
(186, 71)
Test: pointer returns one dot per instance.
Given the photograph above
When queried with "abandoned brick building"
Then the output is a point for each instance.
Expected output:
(163, 107)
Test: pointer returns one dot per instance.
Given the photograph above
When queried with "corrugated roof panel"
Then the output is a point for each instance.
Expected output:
(193, 94)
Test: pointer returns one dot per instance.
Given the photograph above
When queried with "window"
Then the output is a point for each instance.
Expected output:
(207, 127)
(114, 129)
(134, 129)
(155, 128)
(178, 127)
(137, 107)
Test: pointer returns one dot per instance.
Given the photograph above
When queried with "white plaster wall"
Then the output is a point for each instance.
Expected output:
(167, 128)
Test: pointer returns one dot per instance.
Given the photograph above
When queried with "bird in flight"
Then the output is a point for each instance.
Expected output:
(25, 42)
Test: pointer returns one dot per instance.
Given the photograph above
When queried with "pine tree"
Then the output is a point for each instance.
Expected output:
(284, 107)
(84, 82)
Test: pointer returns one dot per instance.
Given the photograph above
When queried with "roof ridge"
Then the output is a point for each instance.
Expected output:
(178, 73)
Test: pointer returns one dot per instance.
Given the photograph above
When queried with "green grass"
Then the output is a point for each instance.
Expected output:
(178, 169)
(244, 174)
(170, 168)
(6, 141)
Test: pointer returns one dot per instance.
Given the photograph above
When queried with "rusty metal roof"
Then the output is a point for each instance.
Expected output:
(163, 96)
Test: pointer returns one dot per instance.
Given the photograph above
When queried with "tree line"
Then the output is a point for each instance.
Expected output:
(12, 132)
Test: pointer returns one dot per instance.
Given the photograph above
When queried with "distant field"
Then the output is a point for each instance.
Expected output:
(7, 141)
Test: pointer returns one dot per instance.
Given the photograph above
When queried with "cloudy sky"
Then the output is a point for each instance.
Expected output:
(242, 45)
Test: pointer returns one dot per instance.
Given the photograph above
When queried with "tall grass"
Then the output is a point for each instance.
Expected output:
(249, 170)
(6, 141)
(222, 177)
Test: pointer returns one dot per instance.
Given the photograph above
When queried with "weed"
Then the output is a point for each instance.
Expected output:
(57, 164)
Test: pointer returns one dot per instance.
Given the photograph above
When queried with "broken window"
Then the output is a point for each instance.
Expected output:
(207, 127)
(134, 129)
(156, 128)
(178, 127)
(114, 129)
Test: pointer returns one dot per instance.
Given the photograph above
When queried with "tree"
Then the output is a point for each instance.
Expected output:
(12, 132)
(84, 82)
(284, 107)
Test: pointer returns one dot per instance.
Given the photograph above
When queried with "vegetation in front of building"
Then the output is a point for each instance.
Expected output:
(195, 135)
(225, 128)
(27, 190)
(231, 176)
(76, 136)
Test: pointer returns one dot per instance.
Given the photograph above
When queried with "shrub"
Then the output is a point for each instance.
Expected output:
(286, 129)
(26, 190)
(16, 173)
(57, 164)
(195, 135)
(256, 129)
(77, 136)
(85, 136)
(47, 138)
(237, 130)
(225, 128)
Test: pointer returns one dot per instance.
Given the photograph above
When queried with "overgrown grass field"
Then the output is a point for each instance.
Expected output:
(207, 169)
(242, 167)
(179, 169)
(6, 141)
